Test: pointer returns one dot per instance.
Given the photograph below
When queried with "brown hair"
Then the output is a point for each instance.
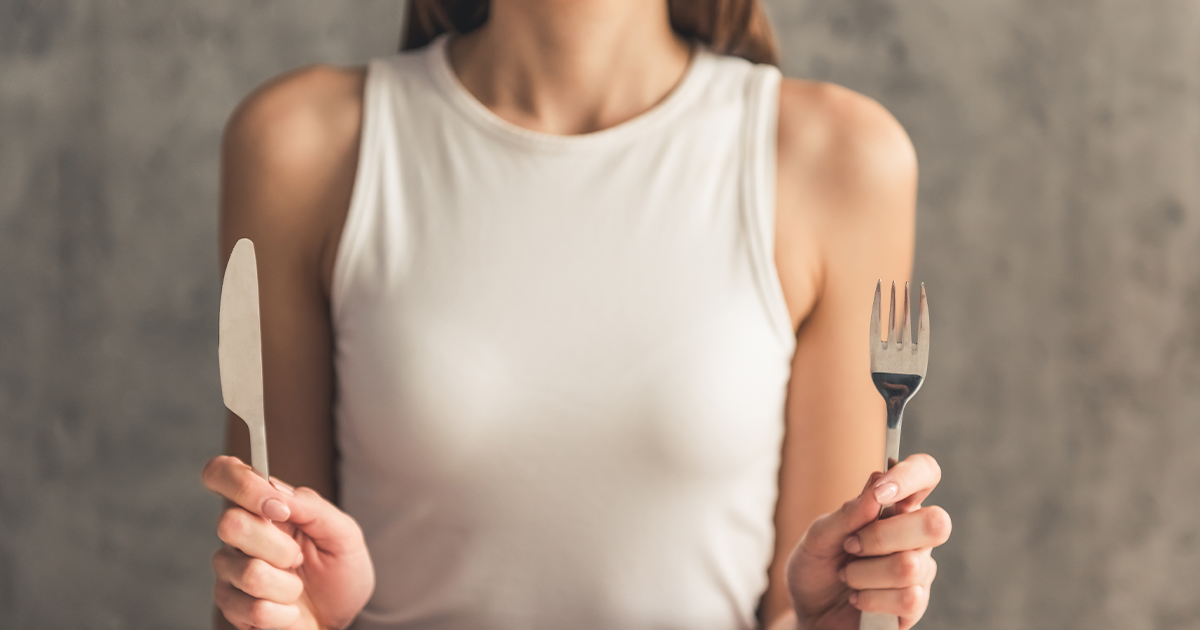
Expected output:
(731, 27)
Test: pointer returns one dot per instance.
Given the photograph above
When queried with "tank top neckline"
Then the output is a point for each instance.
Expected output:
(478, 114)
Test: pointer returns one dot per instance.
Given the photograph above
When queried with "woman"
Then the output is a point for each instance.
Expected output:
(592, 297)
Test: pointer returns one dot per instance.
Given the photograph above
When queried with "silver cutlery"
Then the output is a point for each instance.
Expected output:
(898, 368)
(239, 347)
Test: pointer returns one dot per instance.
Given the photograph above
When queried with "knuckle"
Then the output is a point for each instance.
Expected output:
(224, 597)
(218, 561)
(293, 591)
(308, 493)
(908, 567)
(937, 524)
(927, 460)
(233, 526)
(933, 568)
(219, 594)
(911, 600)
(244, 487)
(208, 472)
(214, 470)
(934, 467)
(259, 614)
(229, 527)
(255, 578)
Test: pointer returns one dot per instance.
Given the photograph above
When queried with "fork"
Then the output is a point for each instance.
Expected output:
(898, 368)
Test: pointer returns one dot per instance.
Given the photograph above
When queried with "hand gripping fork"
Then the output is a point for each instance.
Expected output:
(898, 368)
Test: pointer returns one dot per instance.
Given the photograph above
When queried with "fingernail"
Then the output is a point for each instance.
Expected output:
(853, 598)
(853, 545)
(886, 492)
(283, 487)
(276, 510)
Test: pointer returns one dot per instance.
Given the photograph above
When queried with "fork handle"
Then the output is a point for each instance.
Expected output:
(892, 445)
(880, 621)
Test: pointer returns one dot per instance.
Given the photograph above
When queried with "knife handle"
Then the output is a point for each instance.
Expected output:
(258, 448)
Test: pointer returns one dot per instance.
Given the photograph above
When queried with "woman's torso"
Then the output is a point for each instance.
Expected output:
(561, 361)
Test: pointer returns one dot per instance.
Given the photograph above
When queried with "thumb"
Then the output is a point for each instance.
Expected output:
(828, 533)
(331, 530)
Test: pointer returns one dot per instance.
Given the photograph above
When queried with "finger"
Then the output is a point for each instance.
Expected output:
(828, 534)
(925, 528)
(909, 482)
(256, 577)
(257, 537)
(907, 603)
(245, 611)
(899, 570)
(234, 480)
(330, 529)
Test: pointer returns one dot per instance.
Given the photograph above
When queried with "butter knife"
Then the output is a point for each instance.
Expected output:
(240, 349)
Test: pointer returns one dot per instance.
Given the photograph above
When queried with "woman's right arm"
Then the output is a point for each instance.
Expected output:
(288, 164)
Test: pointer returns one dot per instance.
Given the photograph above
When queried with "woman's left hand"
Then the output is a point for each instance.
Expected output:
(850, 560)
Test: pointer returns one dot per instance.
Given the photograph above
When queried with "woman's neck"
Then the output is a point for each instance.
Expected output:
(571, 67)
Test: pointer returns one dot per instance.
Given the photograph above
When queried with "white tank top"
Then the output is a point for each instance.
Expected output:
(562, 360)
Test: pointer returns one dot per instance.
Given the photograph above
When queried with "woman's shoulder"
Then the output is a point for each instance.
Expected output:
(289, 157)
(301, 116)
(846, 193)
(848, 141)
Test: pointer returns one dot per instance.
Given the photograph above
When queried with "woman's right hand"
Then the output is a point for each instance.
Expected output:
(291, 559)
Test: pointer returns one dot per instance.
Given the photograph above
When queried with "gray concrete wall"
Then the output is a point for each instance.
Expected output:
(110, 120)
(1059, 236)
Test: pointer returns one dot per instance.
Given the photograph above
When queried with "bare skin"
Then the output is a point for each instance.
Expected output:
(845, 217)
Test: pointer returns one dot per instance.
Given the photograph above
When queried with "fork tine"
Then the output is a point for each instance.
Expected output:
(923, 330)
(892, 318)
(875, 337)
(923, 322)
(902, 322)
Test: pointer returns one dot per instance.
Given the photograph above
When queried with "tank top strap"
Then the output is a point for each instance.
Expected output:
(758, 178)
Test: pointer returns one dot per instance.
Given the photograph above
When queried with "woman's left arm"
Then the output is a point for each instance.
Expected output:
(846, 198)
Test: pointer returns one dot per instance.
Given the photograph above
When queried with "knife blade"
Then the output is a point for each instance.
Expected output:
(239, 348)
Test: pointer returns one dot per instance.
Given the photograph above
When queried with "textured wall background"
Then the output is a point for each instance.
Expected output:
(1059, 235)
(110, 120)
